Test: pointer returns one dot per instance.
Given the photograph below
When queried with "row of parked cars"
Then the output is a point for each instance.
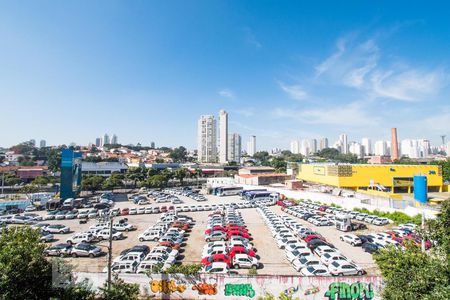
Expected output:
(194, 195)
(324, 209)
(307, 251)
(228, 243)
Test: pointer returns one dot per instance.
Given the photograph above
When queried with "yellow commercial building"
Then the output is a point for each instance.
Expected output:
(385, 180)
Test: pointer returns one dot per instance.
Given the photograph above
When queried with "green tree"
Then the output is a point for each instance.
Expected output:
(92, 183)
(178, 154)
(24, 272)
(29, 189)
(41, 180)
(120, 290)
(180, 174)
(11, 179)
(114, 181)
(412, 274)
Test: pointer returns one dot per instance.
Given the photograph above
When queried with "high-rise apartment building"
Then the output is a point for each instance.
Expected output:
(98, 142)
(223, 136)
(207, 139)
(304, 148)
(357, 149)
(367, 145)
(313, 146)
(42, 144)
(114, 140)
(323, 143)
(295, 147)
(380, 148)
(106, 140)
(344, 143)
(152, 145)
(251, 145)
(234, 148)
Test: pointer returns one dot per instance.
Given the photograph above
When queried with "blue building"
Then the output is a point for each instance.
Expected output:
(70, 173)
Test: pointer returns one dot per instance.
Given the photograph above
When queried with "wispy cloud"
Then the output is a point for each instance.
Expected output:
(350, 115)
(250, 38)
(227, 93)
(293, 91)
(408, 85)
(246, 112)
(331, 61)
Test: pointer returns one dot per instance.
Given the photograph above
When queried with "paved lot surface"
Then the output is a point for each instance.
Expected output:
(272, 258)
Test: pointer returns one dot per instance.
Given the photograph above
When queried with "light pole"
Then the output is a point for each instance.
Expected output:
(109, 218)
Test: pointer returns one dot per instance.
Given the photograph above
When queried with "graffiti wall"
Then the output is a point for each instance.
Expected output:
(177, 286)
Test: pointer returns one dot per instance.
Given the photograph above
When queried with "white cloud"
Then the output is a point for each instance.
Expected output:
(409, 85)
(350, 115)
(246, 112)
(294, 91)
(226, 93)
(250, 38)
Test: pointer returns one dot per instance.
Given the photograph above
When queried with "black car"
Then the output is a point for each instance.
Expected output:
(364, 238)
(138, 248)
(370, 247)
(313, 244)
(101, 206)
(58, 250)
(307, 216)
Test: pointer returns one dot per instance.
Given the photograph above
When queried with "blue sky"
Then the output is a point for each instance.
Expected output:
(146, 70)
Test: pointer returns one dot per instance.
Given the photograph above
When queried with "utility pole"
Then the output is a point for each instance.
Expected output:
(423, 230)
(3, 181)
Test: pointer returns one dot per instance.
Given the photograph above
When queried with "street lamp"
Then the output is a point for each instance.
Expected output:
(108, 218)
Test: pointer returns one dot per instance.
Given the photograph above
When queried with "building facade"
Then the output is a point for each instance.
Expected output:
(234, 148)
(207, 139)
(223, 137)
(251, 145)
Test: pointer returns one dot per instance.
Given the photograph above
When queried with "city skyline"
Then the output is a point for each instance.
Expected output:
(355, 68)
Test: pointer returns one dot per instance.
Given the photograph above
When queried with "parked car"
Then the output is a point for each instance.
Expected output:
(244, 261)
(57, 228)
(58, 250)
(351, 239)
(80, 238)
(343, 267)
(315, 270)
(87, 250)
(217, 268)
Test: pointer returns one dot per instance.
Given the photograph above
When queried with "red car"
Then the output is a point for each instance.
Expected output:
(323, 208)
(240, 250)
(124, 211)
(232, 225)
(163, 209)
(171, 207)
(312, 237)
(417, 241)
(215, 228)
(239, 233)
(216, 258)
(395, 236)
(170, 245)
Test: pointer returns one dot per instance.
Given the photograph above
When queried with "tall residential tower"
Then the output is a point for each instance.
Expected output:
(223, 137)
(207, 139)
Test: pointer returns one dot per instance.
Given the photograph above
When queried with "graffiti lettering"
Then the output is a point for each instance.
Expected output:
(166, 286)
(290, 291)
(205, 288)
(245, 289)
(311, 291)
(343, 290)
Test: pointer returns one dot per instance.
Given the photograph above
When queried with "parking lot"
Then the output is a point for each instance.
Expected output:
(271, 258)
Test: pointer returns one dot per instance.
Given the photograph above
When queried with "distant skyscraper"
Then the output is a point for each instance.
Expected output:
(380, 148)
(304, 148)
(114, 140)
(152, 145)
(394, 144)
(33, 142)
(234, 147)
(323, 143)
(367, 144)
(207, 139)
(42, 144)
(356, 148)
(98, 142)
(223, 136)
(344, 143)
(106, 140)
(251, 145)
(295, 147)
(313, 146)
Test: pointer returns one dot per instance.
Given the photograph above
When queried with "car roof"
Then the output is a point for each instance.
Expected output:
(219, 264)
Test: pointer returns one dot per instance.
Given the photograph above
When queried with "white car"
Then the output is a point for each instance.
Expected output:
(328, 258)
(380, 221)
(217, 268)
(123, 227)
(130, 257)
(321, 250)
(305, 261)
(83, 214)
(351, 239)
(146, 266)
(316, 270)
(57, 228)
(104, 235)
(165, 250)
(294, 254)
(82, 237)
(143, 202)
(408, 226)
(163, 257)
(152, 235)
(214, 250)
(123, 267)
(286, 241)
(343, 267)
(132, 211)
(243, 261)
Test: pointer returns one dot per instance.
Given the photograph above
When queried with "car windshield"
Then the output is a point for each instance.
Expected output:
(335, 264)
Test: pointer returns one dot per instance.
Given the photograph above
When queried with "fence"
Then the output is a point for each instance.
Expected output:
(213, 286)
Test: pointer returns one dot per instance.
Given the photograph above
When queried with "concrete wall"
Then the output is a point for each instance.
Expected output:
(246, 287)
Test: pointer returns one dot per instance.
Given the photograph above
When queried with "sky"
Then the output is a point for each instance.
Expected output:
(146, 70)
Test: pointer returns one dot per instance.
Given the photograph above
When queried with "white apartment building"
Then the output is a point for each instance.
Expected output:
(343, 143)
(207, 139)
(313, 146)
(251, 145)
(367, 145)
(106, 139)
(223, 137)
(357, 149)
(415, 148)
(234, 148)
(381, 148)
(295, 147)
(114, 139)
(304, 148)
(323, 143)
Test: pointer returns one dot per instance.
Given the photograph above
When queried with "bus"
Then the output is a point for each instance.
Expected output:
(244, 192)
(228, 190)
(254, 196)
